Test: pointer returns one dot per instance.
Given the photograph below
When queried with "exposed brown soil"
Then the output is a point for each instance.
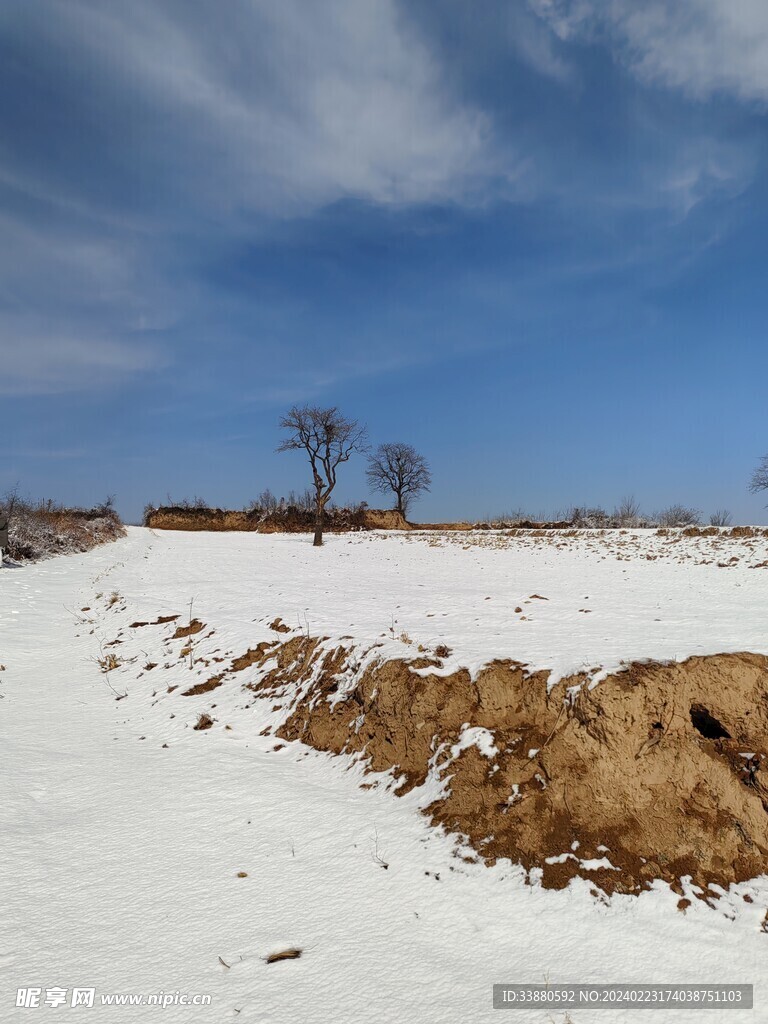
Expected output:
(159, 621)
(343, 520)
(195, 626)
(647, 769)
(252, 657)
(206, 687)
(290, 520)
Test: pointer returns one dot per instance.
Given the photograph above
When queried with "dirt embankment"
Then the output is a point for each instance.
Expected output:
(342, 520)
(43, 529)
(657, 772)
(289, 520)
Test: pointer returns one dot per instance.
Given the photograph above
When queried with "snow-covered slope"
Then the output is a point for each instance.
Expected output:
(125, 829)
(566, 604)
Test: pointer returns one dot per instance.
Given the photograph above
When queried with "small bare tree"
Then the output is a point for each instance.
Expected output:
(760, 476)
(329, 439)
(678, 515)
(399, 468)
(721, 517)
(628, 511)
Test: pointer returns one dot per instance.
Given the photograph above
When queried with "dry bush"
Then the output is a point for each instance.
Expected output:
(721, 517)
(628, 513)
(108, 662)
(267, 504)
(678, 515)
(41, 529)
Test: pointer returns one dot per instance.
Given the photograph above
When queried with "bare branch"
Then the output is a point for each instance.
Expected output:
(759, 480)
(721, 517)
(401, 469)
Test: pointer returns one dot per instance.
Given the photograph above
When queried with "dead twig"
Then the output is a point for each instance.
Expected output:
(284, 954)
(106, 664)
(546, 741)
(375, 852)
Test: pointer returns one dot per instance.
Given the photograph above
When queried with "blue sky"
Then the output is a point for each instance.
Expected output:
(528, 237)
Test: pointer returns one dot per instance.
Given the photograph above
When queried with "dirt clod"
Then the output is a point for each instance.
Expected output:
(195, 626)
(206, 687)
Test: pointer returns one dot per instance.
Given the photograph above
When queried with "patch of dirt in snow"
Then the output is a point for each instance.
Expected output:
(195, 626)
(206, 687)
(652, 774)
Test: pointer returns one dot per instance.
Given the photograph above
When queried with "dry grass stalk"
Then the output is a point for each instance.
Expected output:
(284, 954)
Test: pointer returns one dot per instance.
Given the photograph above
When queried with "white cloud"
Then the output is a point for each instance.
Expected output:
(702, 47)
(293, 104)
(534, 44)
(36, 358)
(76, 308)
(179, 119)
(188, 114)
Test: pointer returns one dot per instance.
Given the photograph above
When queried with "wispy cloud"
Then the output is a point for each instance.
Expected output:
(702, 47)
(148, 143)
(38, 359)
(271, 107)
(162, 133)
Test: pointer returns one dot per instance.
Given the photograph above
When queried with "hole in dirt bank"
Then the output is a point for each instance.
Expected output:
(707, 724)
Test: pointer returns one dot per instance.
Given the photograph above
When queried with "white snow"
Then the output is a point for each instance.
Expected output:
(119, 864)
(611, 598)
(475, 736)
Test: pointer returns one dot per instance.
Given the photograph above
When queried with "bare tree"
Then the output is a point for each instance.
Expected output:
(721, 517)
(329, 439)
(265, 502)
(628, 511)
(304, 501)
(760, 476)
(678, 515)
(399, 468)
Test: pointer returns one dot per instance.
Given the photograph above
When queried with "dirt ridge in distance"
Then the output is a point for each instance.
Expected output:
(289, 520)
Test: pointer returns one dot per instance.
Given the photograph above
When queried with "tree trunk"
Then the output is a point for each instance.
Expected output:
(318, 541)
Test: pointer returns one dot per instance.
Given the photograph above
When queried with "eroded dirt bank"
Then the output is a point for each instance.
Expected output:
(654, 773)
(289, 520)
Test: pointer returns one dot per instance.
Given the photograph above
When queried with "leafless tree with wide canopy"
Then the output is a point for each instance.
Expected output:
(401, 469)
(329, 439)
(760, 476)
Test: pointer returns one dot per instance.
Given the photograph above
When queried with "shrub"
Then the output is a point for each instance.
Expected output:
(628, 513)
(721, 517)
(678, 515)
(41, 529)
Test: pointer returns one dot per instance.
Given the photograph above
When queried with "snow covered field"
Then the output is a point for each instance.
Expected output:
(125, 829)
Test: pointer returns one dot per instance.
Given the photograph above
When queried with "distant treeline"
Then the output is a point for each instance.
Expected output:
(627, 515)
